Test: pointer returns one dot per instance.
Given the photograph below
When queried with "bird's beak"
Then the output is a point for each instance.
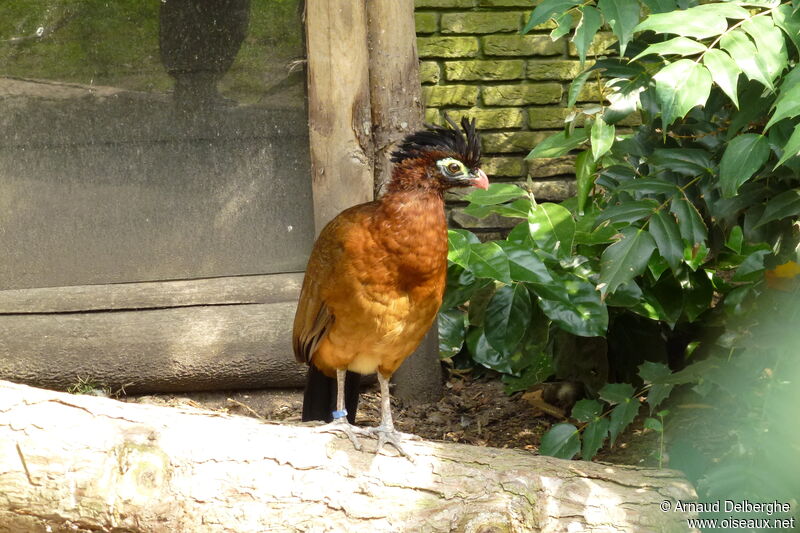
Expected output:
(479, 179)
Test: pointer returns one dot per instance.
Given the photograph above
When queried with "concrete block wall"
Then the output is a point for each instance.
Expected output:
(474, 62)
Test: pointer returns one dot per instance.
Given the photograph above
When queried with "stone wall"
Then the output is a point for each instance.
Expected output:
(473, 61)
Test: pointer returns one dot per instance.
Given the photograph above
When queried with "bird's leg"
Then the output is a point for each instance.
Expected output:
(340, 423)
(386, 432)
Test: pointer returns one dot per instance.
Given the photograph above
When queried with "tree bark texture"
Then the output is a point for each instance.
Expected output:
(82, 463)
(340, 126)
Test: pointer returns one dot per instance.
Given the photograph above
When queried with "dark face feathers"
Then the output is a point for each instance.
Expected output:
(465, 146)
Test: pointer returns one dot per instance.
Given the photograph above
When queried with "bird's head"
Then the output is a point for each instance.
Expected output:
(439, 158)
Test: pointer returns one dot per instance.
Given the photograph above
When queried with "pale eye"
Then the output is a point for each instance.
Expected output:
(453, 168)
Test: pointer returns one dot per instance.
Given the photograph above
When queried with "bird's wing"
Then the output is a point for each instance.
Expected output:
(326, 268)
(312, 321)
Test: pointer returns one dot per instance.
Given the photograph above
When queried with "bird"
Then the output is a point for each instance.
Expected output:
(376, 276)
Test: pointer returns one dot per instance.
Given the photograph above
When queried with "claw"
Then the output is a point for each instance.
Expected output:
(341, 425)
(395, 438)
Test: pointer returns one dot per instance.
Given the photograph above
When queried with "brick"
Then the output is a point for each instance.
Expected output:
(449, 95)
(598, 47)
(516, 141)
(554, 69)
(443, 3)
(542, 118)
(522, 94)
(554, 190)
(432, 116)
(512, 69)
(589, 93)
(481, 22)
(491, 119)
(503, 166)
(429, 72)
(447, 46)
(426, 22)
(551, 166)
(522, 45)
(547, 25)
(504, 3)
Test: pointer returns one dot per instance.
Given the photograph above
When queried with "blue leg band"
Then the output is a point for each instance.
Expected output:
(339, 414)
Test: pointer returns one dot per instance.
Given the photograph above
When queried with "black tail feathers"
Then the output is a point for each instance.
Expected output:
(319, 399)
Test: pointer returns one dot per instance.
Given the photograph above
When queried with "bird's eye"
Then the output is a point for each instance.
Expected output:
(453, 168)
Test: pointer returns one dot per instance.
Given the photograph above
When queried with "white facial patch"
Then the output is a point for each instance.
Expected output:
(448, 164)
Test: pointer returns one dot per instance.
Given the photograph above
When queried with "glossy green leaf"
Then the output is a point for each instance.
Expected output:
(559, 144)
(649, 186)
(497, 193)
(724, 71)
(546, 10)
(687, 161)
(594, 434)
(585, 167)
(653, 423)
(686, 23)
(678, 46)
(483, 353)
(770, 44)
(562, 441)
(615, 393)
(627, 211)
(660, 6)
(680, 86)
(787, 105)
(650, 372)
(729, 10)
(789, 21)
(690, 223)
(735, 239)
(487, 260)
(665, 232)
(452, 326)
(744, 155)
(621, 417)
(791, 148)
(625, 259)
(552, 228)
(458, 247)
(578, 310)
(752, 267)
(525, 265)
(590, 22)
(586, 410)
(622, 16)
(785, 204)
(508, 317)
(576, 86)
(602, 136)
(745, 54)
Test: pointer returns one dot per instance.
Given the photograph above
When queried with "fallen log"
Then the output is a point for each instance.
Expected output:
(83, 463)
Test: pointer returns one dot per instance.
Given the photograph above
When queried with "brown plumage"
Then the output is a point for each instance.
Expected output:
(376, 276)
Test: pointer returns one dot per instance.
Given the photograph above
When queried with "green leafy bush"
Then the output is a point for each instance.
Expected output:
(675, 222)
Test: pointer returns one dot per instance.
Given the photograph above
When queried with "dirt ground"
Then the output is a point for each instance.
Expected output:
(472, 411)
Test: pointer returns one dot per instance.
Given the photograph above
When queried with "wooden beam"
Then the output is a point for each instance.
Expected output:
(81, 463)
(395, 93)
(340, 126)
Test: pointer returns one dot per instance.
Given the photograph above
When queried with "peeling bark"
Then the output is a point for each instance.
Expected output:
(81, 463)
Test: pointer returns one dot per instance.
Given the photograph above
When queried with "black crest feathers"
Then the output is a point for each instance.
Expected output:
(466, 146)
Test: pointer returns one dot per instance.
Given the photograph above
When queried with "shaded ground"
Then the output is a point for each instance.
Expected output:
(472, 411)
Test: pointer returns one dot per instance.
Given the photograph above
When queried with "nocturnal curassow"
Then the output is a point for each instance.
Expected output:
(376, 277)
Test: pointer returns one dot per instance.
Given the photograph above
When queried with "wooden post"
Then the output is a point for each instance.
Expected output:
(396, 102)
(340, 126)
(395, 93)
